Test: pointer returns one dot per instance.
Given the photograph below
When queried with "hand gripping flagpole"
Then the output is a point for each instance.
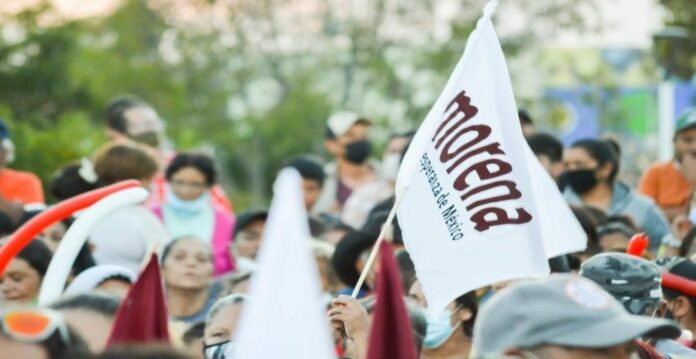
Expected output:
(375, 248)
(488, 11)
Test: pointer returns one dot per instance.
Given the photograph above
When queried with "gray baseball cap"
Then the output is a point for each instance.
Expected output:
(564, 310)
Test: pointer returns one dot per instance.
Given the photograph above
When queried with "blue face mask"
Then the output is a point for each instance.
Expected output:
(187, 208)
(439, 329)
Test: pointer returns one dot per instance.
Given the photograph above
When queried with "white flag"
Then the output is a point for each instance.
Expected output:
(285, 316)
(472, 197)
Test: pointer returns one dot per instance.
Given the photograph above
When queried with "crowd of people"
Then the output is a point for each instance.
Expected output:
(600, 303)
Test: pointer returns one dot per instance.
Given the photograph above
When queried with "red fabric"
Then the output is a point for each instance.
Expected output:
(23, 187)
(390, 336)
(142, 316)
(645, 351)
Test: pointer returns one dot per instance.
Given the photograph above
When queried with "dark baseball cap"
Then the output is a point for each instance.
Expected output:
(564, 310)
(246, 218)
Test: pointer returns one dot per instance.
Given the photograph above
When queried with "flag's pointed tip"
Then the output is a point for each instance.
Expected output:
(489, 9)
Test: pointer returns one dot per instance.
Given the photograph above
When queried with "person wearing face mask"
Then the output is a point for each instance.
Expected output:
(681, 299)
(391, 159)
(671, 183)
(131, 119)
(449, 334)
(636, 283)
(189, 211)
(591, 168)
(352, 186)
(221, 325)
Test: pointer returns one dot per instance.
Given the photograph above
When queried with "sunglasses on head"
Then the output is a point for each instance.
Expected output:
(33, 325)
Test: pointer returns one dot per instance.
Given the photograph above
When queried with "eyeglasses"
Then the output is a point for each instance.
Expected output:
(33, 325)
(192, 185)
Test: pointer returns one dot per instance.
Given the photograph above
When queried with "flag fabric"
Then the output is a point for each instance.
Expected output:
(390, 335)
(475, 205)
(285, 316)
(142, 316)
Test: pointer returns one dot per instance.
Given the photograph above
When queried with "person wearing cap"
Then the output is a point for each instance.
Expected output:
(680, 297)
(16, 186)
(352, 186)
(635, 283)
(671, 183)
(247, 237)
(564, 316)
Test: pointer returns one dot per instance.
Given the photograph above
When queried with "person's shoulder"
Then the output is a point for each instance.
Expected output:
(20, 175)
(661, 167)
(639, 199)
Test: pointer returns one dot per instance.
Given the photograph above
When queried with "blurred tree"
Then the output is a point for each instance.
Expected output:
(252, 81)
(675, 46)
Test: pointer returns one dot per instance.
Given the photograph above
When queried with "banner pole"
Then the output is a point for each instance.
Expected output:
(375, 249)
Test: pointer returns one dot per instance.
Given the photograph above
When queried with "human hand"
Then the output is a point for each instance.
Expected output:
(350, 313)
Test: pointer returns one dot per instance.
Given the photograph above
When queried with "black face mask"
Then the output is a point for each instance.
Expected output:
(581, 181)
(150, 138)
(357, 152)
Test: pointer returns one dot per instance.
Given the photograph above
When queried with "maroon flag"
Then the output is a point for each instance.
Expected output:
(390, 336)
(142, 316)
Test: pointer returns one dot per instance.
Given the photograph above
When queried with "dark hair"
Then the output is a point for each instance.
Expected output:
(602, 152)
(68, 183)
(84, 259)
(168, 248)
(524, 117)
(308, 169)
(199, 161)
(419, 324)
(118, 162)
(589, 225)
(330, 135)
(407, 269)
(58, 347)
(547, 145)
(194, 332)
(468, 301)
(7, 225)
(115, 110)
(37, 255)
(101, 303)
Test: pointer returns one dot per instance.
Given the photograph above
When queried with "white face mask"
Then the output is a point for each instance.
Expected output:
(390, 166)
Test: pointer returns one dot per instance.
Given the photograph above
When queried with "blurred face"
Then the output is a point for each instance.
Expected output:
(188, 183)
(396, 146)
(685, 143)
(142, 119)
(416, 293)
(188, 266)
(224, 325)
(52, 235)
(15, 349)
(613, 241)
(21, 282)
(114, 286)
(248, 241)
(576, 158)
(93, 327)
(357, 132)
(311, 190)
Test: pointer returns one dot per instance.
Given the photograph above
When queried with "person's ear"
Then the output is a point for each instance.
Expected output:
(464, 314)
(604, 171)
(681, 307)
